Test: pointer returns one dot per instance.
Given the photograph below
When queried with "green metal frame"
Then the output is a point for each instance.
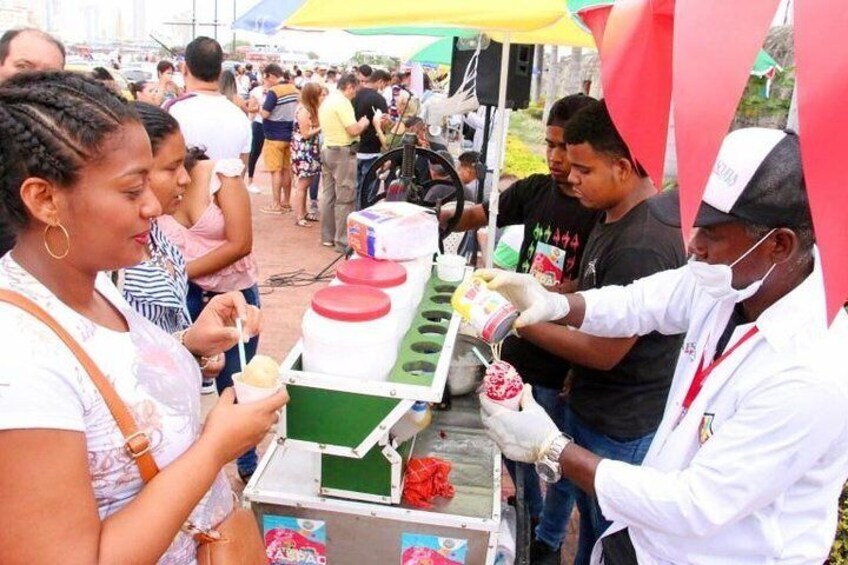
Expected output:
(330, 417)
(422, 345)
(348, 421)
(333, 417)
(370, 475)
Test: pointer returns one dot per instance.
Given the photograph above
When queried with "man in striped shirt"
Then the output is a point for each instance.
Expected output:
(278, 123)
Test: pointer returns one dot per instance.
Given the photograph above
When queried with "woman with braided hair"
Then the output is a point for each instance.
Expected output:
(74, 166)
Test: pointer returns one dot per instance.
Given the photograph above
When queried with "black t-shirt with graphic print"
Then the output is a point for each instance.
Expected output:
(627, 402)
(556, 228)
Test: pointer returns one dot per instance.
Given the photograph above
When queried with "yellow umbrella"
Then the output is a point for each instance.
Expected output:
(563, 32)
(504, 15)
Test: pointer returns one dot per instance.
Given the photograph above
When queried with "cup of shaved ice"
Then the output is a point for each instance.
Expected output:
(503, 385)
(259, 380)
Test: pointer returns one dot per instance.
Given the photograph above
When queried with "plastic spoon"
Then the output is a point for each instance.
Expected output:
(242, 355)
(479, 356)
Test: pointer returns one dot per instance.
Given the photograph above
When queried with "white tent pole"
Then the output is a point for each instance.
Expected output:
(500, 136)
(792, 120)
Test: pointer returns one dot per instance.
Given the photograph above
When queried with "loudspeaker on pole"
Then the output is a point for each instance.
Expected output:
(489, 70)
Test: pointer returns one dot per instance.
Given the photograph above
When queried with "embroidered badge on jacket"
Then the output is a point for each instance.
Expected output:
(706, 429)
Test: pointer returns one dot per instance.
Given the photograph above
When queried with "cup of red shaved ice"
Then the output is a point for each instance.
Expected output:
(503, 385)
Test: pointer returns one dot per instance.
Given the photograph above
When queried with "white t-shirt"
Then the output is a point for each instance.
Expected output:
(258, 94)
(43, 386)
(211, 121)
(243, 84)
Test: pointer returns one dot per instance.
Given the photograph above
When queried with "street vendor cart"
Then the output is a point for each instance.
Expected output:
(329, 488)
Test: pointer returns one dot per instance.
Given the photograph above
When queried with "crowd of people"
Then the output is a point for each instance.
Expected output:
(367, 111)
(693, 411)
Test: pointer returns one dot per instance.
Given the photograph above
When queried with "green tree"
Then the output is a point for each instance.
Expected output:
(755, 109)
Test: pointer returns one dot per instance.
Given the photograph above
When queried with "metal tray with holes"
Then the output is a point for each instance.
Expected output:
(347, 417)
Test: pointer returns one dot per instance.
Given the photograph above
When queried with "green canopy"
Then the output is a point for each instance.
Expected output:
(577, 6)
(437, 53)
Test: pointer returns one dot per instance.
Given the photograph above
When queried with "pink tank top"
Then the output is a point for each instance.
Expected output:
(208, 233)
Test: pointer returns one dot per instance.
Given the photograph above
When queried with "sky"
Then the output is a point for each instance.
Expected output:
(335, 46)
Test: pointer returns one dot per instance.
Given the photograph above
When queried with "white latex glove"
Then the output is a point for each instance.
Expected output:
(523, 435)
(535, 302)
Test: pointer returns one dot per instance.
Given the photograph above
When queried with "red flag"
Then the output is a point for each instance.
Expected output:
(636, 74)
(821, 56)
(715, 46)
(596, 20)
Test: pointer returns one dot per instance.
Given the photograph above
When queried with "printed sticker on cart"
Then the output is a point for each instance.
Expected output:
(419, 549)
(291, 541)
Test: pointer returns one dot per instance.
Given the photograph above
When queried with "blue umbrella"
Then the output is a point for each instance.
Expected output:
(267, 16)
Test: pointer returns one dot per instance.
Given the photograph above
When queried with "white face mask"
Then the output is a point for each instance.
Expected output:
(717, 280)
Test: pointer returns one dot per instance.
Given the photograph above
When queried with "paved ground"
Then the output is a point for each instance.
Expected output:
(283, 249)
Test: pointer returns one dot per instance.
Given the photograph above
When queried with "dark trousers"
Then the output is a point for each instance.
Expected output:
(362, 166)
(256, 144)
(313, 187)
(618, 549)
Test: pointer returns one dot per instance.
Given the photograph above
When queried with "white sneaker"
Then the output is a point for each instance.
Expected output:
(253, 189)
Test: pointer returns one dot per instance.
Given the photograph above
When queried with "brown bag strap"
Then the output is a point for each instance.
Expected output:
(137, 443)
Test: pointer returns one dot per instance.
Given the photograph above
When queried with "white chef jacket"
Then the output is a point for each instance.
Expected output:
(752, 473)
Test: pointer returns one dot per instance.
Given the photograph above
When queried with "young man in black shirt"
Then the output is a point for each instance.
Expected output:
(618, 387)
(368, 99)
(556, 228)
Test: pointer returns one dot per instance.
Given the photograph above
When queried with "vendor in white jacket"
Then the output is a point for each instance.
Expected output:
(752, 452)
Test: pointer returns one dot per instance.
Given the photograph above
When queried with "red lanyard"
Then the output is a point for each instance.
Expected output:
(703, 372)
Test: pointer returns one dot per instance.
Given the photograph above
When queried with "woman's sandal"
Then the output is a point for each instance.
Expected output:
(311, 217)
(303, 223)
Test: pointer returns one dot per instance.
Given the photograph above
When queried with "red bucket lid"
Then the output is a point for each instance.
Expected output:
(351, 303)
(371, 272)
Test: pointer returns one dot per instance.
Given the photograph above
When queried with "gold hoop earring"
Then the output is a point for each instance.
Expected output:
(57, 256)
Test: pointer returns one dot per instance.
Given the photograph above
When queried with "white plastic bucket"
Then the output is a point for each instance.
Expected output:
(348, 332)
(388, 276)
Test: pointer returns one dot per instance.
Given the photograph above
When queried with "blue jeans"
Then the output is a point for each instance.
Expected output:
(592, 522)
(197, 300)
(362, 166)
(559, 500)
(313, 187)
